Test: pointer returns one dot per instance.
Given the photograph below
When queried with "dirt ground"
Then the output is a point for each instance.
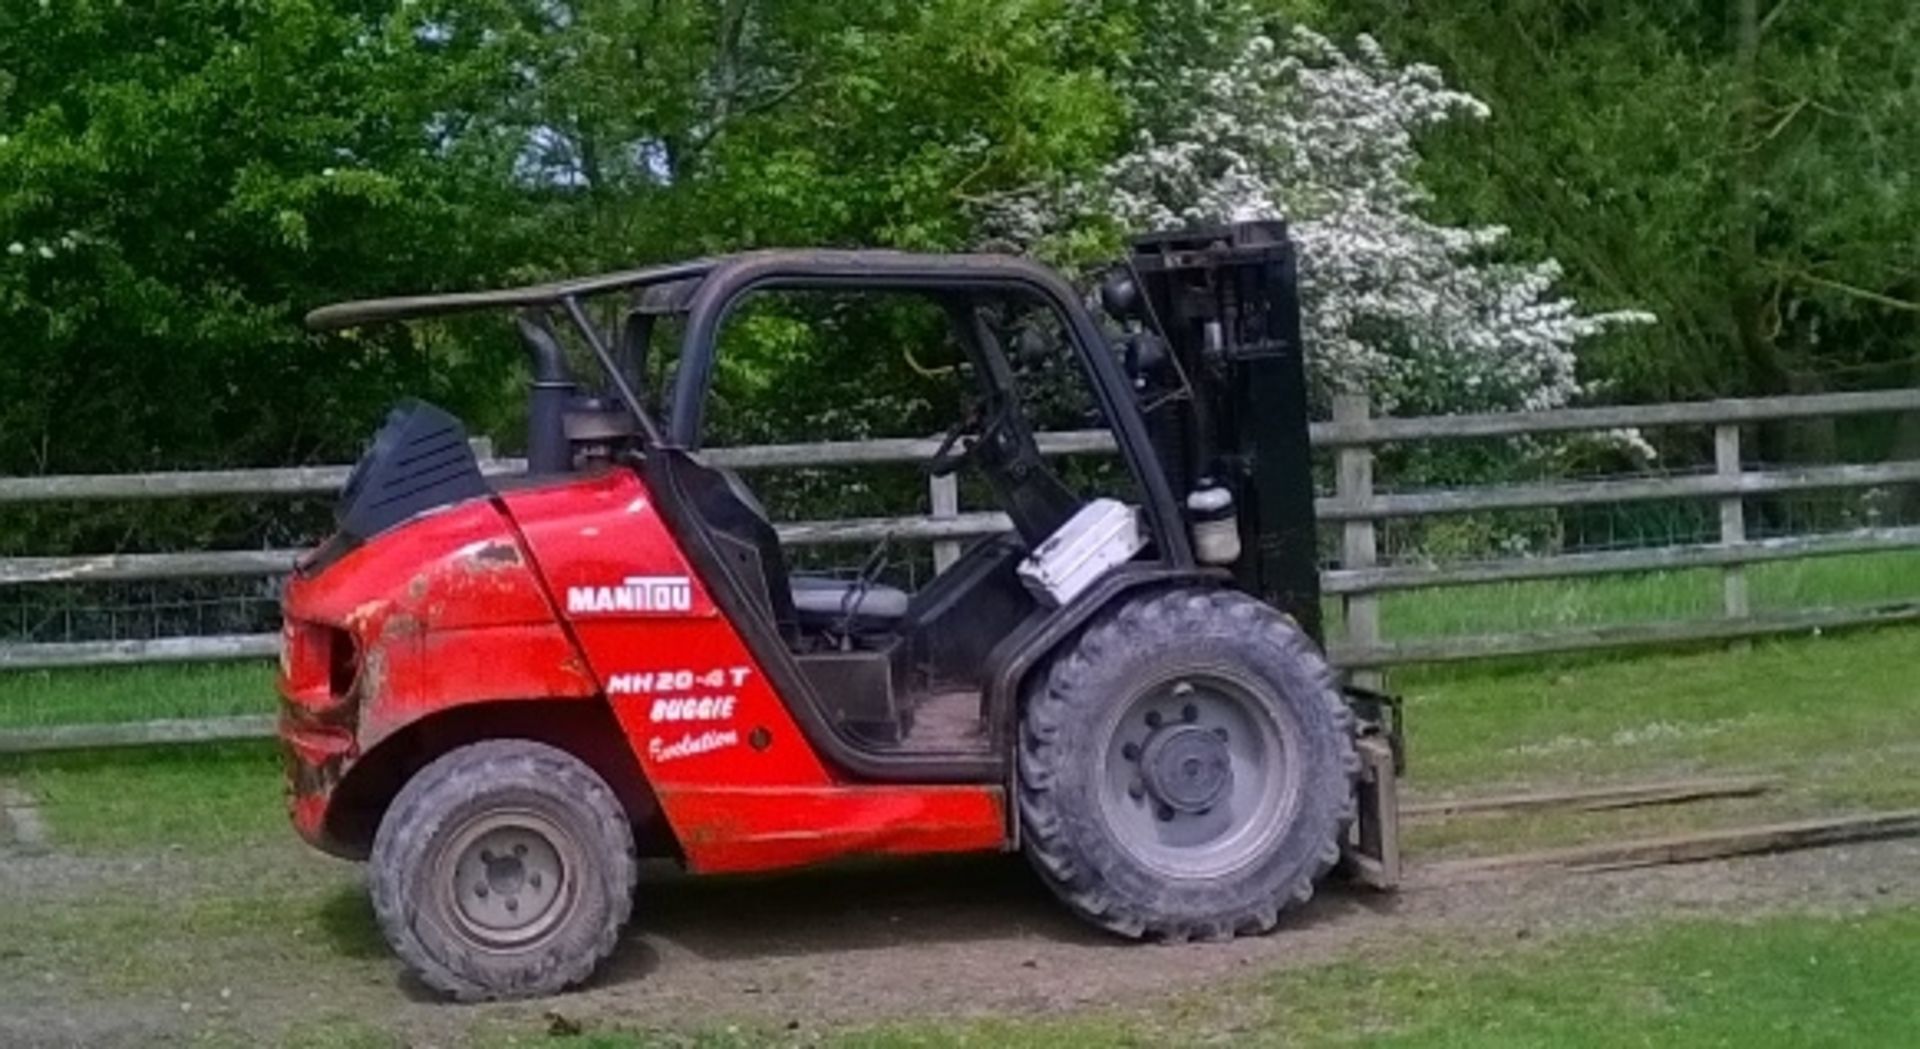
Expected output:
(805, 952)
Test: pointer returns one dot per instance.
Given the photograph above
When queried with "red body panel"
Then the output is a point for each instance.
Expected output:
(442, 612)
(738, 782)
(582, 593)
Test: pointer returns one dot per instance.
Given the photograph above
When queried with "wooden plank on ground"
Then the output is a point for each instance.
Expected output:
(1689, 848)
(135, 733)
(1592, 799)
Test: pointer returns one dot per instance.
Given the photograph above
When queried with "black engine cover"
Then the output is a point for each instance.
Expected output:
(419, 460)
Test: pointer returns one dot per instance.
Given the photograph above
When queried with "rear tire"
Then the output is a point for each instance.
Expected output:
(503, 869)
(1186, 768)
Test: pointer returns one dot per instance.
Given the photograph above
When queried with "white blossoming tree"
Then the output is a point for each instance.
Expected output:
(1426, 317)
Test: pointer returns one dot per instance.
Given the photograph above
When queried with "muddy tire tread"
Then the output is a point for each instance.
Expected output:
(1064, 856)
(455, 780)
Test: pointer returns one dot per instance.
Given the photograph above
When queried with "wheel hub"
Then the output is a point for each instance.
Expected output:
(1186, 768)
(1199, 775)
(509, 884)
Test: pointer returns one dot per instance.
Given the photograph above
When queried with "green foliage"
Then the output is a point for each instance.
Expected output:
(1745, 170)
(181, 182)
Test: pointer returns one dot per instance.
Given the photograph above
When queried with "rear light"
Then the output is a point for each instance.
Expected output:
(318, 665)
(343, 662)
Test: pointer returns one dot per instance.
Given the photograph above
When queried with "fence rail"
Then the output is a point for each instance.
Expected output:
(1360, 579)
(1356, 509)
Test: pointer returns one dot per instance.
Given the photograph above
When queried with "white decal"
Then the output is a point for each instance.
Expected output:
(690, 744)
(640, 593)
(648, 682)
(692, 708)
(644, 683)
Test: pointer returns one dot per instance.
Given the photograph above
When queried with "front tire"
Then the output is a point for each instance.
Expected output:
(1186, 768)
(503, 869)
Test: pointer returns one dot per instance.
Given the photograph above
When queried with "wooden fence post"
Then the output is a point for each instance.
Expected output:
(943, 493)
(1359, 547)
(1733, 519)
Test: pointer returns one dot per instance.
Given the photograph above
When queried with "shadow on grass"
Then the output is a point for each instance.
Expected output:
(347, 923)
(345, 918)
(855, 905)
(844, 908)
(894, 902)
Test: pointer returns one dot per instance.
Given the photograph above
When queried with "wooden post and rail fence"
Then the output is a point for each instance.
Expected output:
(1354, 511)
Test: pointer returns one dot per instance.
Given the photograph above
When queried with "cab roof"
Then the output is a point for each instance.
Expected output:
(898, 268)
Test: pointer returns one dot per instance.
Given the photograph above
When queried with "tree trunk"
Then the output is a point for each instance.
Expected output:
(1748, 288)
(1906, 445)
(1748, 300)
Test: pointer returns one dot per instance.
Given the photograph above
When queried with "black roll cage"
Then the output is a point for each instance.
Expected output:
(722, 283)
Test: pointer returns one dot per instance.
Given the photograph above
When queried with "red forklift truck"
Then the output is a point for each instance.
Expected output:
(501, 692)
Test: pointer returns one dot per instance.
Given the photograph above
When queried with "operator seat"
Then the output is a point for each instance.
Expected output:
(826, 603)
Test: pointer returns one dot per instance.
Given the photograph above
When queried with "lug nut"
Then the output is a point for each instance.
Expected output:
(1189, 713)
(1130, 751)
(1136, 790)
(519, 850)
(512, 904)
(1221, 733)
(480, 890)
(1153, 719)
(486, 855)
(534, 879)
(1165, 813)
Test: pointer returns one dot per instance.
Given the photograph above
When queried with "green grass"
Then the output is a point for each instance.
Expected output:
(202, 797)
(1780, 981)
(1778, 704)
(1839, 715)
(31, 698)
(191, 939)
(1647, 597)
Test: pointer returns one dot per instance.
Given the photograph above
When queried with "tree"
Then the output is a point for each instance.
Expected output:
(1233, 124)
(1744, 167)
(840, 123)
(182, 180)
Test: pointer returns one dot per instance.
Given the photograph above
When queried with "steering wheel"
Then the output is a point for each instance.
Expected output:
(945, 459)
(978, 425)
(863, 581)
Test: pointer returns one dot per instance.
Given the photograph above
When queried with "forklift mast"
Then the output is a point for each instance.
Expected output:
(1228, 408)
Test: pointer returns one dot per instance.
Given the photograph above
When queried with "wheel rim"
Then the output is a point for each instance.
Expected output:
(509, 878)
(1201, 775)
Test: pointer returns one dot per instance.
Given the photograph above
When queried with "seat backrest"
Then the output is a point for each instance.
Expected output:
(743, 534)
